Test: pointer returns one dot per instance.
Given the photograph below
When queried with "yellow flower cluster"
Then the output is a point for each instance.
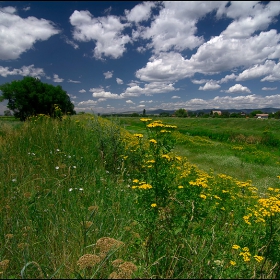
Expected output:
(246, 256)
(269, 206)
(139, 135)
(223, 176)
(202, 182)
(142, 185)
(258, 258)
(155, 124)
(246, 218)
(170, 126)
(244, 184)
(166, 156)
(145, 186)
(145, 120)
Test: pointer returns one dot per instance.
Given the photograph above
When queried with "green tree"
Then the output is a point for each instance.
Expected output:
(32, 97)
(254, 113)
(164, 114)
(134, 115)
(275, 115)
(225, 114)
(144, 113)
(181, 113)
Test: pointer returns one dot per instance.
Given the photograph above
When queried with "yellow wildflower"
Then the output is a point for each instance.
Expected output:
(246, 219)
(258, 258)
(153, 141)
(153, 205)
(232, 262)
(145, 120)
(246, 256)
(236, 247)
(166, 156)
(203, 196)
(180, 187)
(145, 186)
(139, 135)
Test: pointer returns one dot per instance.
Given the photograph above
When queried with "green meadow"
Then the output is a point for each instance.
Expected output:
(248, 149)
(118, 198)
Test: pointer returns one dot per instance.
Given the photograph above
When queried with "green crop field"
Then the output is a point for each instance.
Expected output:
(90, 197)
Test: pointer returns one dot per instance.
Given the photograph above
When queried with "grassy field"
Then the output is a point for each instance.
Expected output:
(89, 198)
(248, 149)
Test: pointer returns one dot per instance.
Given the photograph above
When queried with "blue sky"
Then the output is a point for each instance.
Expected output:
(128, 56)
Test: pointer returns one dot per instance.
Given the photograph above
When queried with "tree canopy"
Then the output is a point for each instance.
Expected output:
(181, 113)
(29, 96)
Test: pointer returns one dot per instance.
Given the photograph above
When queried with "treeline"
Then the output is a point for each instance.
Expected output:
(182, 113)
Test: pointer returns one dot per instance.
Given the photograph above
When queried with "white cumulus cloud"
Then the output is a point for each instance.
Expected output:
(56, 79)
(148, 89)
(238, 88)
(20, 34)
(23, 71)
(210, 86)
(249, 17)
(129, 101)
(259, 70)
(88, 102)
(119, 81)
(108, 74)
(106, 32)
(140, 12)
(106, 94)
(175, 26)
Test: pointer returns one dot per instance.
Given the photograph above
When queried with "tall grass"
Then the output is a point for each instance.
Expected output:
(83, 198)
(58, 195)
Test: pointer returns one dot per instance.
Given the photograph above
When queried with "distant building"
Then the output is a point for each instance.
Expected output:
(262, 116)
(218, 112)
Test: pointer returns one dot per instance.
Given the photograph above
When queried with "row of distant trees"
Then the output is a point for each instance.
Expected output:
(182, 113)
(224, 114)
